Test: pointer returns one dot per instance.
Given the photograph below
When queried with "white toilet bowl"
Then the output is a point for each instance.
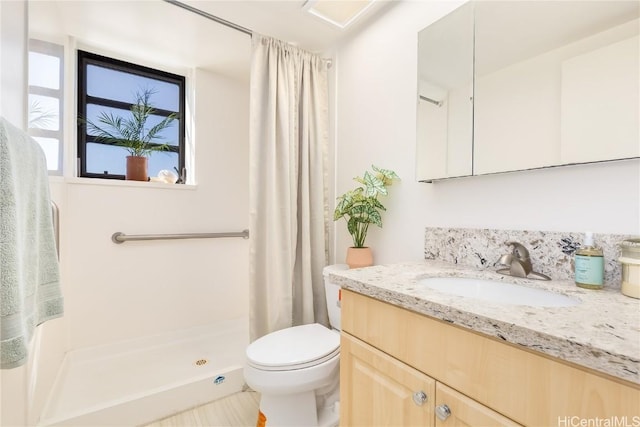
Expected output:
(296, 370)
(289, 375)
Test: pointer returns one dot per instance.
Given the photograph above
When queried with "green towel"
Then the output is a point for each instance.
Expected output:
(29, 274)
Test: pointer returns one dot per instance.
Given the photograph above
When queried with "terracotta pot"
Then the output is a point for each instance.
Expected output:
(359, 257)
(137, 168)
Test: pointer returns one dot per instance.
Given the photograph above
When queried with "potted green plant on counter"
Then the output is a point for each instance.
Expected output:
(360, 207)
(133, 133)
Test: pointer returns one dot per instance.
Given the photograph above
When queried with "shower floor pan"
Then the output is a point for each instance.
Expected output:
(139, 381)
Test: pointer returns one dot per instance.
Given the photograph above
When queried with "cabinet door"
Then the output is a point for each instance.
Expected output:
(378, 390)
(456, 409)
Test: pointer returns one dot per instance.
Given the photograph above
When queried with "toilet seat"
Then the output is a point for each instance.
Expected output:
(293, 348)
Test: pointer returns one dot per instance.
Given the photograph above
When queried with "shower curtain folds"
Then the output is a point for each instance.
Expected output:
(288, 200)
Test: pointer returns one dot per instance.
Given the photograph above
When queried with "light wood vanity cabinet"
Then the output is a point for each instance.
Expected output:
(463, 411)
(381, 389)
(388, 354)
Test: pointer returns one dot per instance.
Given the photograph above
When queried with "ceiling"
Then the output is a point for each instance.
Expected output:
(285, 20)
(163, 34)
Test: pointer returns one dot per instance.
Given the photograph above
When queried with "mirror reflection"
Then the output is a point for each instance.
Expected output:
(445, 91)
(553, 83)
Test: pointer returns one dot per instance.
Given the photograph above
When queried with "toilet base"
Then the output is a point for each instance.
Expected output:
(329, 416)
(289, 410)
(301, 410)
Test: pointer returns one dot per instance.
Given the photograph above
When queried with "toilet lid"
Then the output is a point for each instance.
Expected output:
(294, 348)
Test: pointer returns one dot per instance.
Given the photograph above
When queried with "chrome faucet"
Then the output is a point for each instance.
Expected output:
(519, 263)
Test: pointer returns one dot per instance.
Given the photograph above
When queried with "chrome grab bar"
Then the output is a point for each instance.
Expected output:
(120, 237)
(55, 217)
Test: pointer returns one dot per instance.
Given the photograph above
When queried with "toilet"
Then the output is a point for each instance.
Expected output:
(297, 370)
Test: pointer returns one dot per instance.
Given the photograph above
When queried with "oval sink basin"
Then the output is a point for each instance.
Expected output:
(498, 292)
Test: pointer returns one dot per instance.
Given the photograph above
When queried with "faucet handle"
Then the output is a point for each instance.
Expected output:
(519, 263)
(519, 250)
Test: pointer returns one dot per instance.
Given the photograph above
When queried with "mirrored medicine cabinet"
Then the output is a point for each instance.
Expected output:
(516, 85)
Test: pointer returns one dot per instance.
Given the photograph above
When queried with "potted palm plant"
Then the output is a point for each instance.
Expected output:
(360, 207)
(133, 133)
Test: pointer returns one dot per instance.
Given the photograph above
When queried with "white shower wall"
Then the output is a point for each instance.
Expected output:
(115, 292)
(118, 292)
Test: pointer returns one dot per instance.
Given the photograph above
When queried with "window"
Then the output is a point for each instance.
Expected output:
(45, 100)
(110, 86)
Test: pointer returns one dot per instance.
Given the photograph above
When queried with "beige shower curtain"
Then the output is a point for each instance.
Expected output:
(288, 202)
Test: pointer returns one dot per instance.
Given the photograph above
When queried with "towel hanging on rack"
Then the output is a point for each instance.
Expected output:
(29, 272)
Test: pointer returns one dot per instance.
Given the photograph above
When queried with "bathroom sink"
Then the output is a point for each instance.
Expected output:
(498, 292)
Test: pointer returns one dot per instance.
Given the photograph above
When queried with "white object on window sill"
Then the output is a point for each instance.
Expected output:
(166, 176)
(125, 183)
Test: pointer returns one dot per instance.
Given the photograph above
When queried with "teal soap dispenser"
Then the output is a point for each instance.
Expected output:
(589, 264)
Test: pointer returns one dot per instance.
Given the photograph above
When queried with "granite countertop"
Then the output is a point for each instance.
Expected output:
(601, 333)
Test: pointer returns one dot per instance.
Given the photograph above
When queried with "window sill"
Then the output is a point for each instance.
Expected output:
(130, 184)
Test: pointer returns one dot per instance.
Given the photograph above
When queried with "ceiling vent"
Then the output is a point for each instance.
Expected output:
(340, 13)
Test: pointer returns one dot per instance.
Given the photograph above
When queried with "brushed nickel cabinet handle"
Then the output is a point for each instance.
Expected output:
(443, 412)
(419, 398)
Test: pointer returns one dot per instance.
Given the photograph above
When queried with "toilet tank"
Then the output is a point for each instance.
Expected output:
(332, 292)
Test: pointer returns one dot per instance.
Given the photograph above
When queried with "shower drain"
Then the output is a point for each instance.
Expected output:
(201, 362)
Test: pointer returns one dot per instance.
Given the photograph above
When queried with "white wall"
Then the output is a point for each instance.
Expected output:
(120, 291)
(13, 61)
(376, 123)
(116, 292)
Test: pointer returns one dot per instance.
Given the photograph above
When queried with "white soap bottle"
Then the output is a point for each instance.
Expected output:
(589, 264)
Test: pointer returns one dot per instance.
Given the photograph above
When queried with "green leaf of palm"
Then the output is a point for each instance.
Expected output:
(39, 116)
(153, 133)
(131, 132)
(111, 131)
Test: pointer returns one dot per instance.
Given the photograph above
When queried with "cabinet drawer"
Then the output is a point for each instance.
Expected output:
(527, 387)
(378, 390)
(464, 411)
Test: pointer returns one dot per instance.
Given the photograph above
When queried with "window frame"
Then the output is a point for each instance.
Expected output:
(58, 51)
(88, 58)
